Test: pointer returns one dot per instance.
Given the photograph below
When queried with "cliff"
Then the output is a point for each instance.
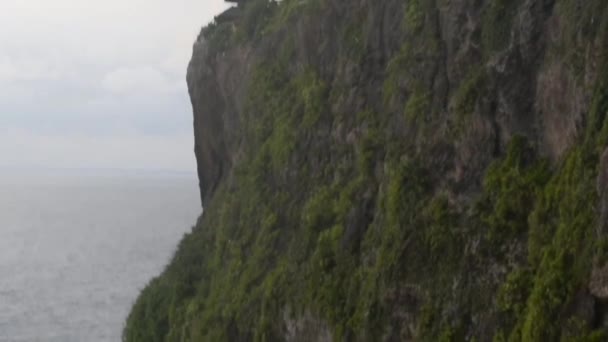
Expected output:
(395, 170)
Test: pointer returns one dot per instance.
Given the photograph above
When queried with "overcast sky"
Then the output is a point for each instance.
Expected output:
(98, 84)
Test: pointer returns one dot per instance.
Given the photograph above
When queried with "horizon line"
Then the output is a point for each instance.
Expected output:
(107, 169)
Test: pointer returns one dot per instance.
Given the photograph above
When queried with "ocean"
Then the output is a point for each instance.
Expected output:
(77, 247)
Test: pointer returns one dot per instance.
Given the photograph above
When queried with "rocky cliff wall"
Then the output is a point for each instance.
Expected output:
(394, 170)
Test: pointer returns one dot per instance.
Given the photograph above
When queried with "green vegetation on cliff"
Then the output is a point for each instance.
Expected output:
(395, 191)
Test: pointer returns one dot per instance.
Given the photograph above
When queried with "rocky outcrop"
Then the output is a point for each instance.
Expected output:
(394, 171)
(217, 90)
(526, 89)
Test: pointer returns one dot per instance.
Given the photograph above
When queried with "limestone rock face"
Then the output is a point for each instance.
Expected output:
(598, 284)
(602, 190)
(216, 84)
(527, 89)
(394, 170)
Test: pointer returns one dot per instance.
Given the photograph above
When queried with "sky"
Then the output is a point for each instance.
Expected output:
(98, 84)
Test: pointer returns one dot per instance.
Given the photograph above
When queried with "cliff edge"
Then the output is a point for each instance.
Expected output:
(394, 170)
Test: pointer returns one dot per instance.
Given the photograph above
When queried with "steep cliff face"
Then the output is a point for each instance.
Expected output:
(394, 170)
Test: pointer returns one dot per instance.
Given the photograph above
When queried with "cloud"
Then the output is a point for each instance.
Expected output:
(18, 70)
(140, 80)
(107, 77)
(8, 71)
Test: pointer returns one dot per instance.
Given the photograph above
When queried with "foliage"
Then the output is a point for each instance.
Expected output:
(497, 22)
(418, 106)
(470, 91)
(511, 188)
(257, 15)
(290, 9)
(414, 15)
(218, 35)
(566, 259)
(333, 212)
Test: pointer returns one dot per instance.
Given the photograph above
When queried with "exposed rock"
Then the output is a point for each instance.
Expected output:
(394, 171)
(602, 190)
(306, 328)
(598, 284)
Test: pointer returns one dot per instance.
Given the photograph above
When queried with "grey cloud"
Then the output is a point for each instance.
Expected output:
(77, 74)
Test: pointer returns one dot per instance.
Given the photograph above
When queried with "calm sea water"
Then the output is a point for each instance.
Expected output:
(76, 249)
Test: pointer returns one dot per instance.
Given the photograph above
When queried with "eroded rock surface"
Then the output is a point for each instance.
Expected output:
(394, 171)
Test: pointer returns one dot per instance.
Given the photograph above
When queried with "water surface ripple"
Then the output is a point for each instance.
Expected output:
(76, 250)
